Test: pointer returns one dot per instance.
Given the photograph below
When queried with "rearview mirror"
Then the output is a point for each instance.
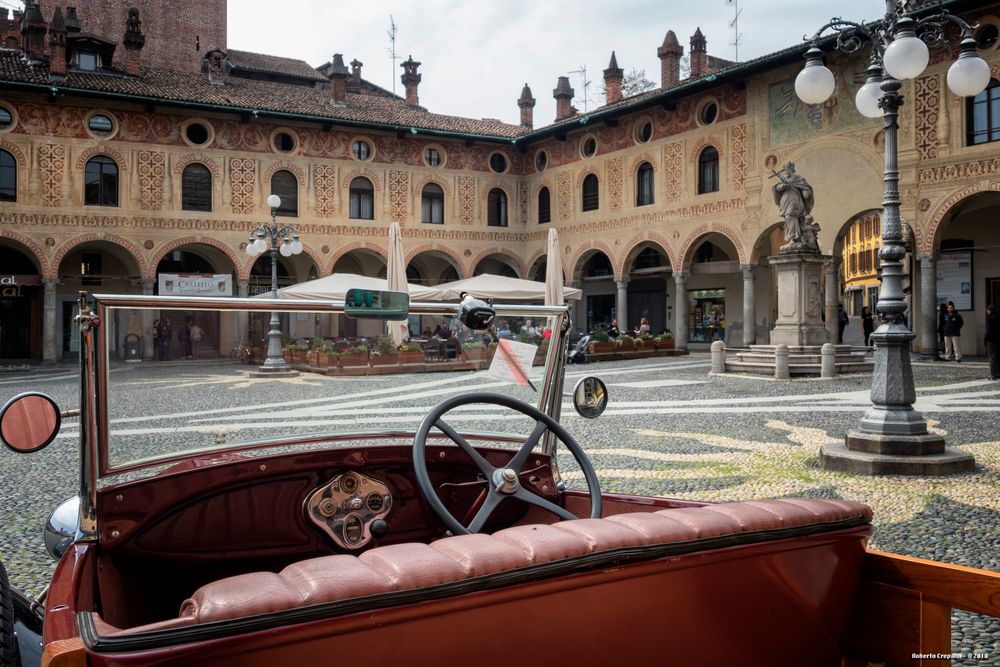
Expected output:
(590, 397)
(368, 304)
(29, 422)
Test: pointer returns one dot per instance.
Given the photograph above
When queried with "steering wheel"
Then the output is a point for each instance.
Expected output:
(503, 482)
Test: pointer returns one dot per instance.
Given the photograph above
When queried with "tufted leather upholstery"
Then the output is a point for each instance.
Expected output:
(413, 565)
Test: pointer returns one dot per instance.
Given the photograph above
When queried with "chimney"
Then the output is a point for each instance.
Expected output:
(133, 41)
(72, 20)
(411, 79)
(57, 45)
(699, 55)
(338, 79)
(564, 95)
(613, 81)
(670, 54)
(354, 83)
(526, 103)
(33, 29)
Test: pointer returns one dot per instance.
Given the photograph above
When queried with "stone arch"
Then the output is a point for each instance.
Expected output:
(360, 245)
(702, 230)
(859, 148)
(110, 152)
(712, 140)
(583, 175)
(367, 173)
(648, 238)
(40, 257)
(133, 250)
(310, 251)
(463, 270)
(492, 184)
(935, 227)
(284, 165)
(199, 158)
(242, 268)
(639, 159)
(766, 232)
(538, 188)
(15, 150)
(516, 262)
(418, 186)
(584, 250)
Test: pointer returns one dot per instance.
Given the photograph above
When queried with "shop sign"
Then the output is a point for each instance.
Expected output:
(11, 284)
(195, 284)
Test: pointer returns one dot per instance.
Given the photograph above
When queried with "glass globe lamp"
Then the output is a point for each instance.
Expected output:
(868, 96)
(815, 83)
(907, 56)
(969, 75)
(274, 201)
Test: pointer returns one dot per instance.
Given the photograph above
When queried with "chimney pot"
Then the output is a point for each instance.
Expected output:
(411, 80)
(699, 55)
(670, 53)
(527, 104)
(133, 41)
(57, 45)
(613, 81)
(563, 95)
(338, 79)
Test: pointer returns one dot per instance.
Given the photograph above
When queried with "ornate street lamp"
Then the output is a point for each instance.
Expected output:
(893, 437)
(286, 241)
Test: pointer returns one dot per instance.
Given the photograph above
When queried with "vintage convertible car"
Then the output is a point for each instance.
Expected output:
(357, 524)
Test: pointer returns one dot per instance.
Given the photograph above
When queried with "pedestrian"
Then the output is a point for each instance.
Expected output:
(992, 340)
(842, 322)
(942, 311)
(867, 323)
(952, 329)
(197, 333)
(184, 336)
(163, 333)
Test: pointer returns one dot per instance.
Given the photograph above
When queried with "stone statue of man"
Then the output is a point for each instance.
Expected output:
(794, 197)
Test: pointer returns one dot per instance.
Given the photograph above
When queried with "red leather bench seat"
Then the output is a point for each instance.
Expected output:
(400, 567)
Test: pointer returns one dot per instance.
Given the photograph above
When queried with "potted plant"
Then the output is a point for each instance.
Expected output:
(411, 353)
(327, 357)
(600, 342)
(625, 343)
(668, 341)
(384, 352)
(315, 345)
(473, 350)
(286, 352)
(354, 357)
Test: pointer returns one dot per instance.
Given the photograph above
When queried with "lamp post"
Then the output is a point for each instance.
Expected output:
(285, 240)
(892, 437)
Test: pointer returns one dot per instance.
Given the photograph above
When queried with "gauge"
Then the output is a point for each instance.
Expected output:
(353, 529)
(349, 483)
(375, 502)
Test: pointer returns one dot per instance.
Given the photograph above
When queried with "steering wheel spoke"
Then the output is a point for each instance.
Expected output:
(529, 497)
(477, 458)
(489, 504)
(522, 455)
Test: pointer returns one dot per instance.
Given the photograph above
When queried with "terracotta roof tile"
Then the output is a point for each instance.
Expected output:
(265, 64)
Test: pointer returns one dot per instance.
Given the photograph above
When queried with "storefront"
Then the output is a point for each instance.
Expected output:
(211, 324)
(706, 315)
(21, 299)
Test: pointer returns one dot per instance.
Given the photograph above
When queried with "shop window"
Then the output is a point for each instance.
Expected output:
(591, 196)
(8, 177)
(707, 315)
(496, 208)
(432, 204)
(708, 170)
(983, 115)
(101, 182)
(362, 199)
(644, 185)
(544, 206)
(285, 185)
(196, 188)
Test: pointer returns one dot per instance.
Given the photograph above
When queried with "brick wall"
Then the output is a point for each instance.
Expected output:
(178, 33)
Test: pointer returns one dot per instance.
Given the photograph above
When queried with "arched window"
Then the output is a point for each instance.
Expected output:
(8, 177)
(432, 204)
(362, 196)
(591, 198)
(644, 185)
(196, 188)
(983, 115)
(544, 206)
(101, 182)
(708, 170)
(286, 186)
(496, 208)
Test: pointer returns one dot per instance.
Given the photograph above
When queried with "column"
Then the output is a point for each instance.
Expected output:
(573, 306)
(928, 306)
(749, 309)
(832, 298)
(243, 317)
(50, 347)
(148, 349)
(680, 311)
(621, 304)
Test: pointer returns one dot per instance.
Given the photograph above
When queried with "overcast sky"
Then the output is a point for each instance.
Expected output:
(477, 54)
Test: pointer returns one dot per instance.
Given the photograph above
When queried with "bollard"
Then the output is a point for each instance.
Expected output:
(828, 355)
(718, 358)
(781, 363)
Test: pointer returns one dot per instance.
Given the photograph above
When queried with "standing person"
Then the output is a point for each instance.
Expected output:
(184, 336)
(867, 323)
(163, 338)
(842, 322)
(942, 311)
(197, 333)
(992, 340)
(952, 330)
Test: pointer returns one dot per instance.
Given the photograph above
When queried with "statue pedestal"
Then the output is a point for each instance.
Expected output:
(800, 300)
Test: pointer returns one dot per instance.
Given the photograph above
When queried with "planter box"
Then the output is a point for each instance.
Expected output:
(299, 357)
(540, 354)
(348, 360)
(602, 348)
(385, 360)
(411, 358)
(326, 360)
(474, 354)
(666, 344)
(626, 345)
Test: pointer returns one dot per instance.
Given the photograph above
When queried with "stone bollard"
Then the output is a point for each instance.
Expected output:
(718, 358)
(781, 363)
(828, 356)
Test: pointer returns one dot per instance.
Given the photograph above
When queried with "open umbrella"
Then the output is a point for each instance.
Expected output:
(396, 279)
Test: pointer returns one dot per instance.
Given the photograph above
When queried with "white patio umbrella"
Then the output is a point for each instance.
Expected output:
(553, 272)
(396, 278)
(489, 286)
(334, 287)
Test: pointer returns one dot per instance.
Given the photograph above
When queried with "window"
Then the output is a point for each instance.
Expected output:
(285, 185)
(6, 118)
(498, 163)
(432, 204)
(644, 132)
(589, 147)
(196, 188)
(100, 182)
(541, 161)
(361, 150)
(197, 134)
(591, 198)
(544, 206)
(432, 157)
(708, 113)
(983, 115)
(986, 36)
(91, 268)
(708, 170)
(644, 185)
(8, 177)
(101, 125)
(362, 199)
(86, 60)
(284, 142)
(496, 208)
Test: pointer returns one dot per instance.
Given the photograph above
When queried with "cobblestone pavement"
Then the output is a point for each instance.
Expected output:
(670, 430)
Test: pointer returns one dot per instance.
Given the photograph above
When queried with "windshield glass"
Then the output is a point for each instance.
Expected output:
(188, 379)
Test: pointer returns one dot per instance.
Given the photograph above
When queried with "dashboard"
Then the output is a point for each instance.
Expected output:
(351, 509)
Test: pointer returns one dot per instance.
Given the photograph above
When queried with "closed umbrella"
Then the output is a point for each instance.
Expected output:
(396, 279)
(553, 272)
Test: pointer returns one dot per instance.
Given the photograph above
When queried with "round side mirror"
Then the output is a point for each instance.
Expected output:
(29, 422)
(590, 397)
(60, 529)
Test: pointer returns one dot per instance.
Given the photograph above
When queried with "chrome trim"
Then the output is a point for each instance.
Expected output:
(89, 414)
(62, 527)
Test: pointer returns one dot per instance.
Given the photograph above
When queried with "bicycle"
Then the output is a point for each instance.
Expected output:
(241, 353)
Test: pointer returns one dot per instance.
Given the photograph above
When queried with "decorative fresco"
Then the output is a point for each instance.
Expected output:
(792, 120)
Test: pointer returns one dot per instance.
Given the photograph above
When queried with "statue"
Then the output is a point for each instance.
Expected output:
(794, 197)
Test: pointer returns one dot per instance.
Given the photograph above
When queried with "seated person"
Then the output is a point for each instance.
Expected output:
(643, 331)
(504, 331)
(613, 331)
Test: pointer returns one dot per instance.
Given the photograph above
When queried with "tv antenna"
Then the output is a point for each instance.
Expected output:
(735, 25)
(392, 51)
(585, 84)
